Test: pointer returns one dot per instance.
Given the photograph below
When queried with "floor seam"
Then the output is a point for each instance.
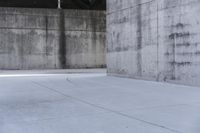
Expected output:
(53, 118)
(107, 109)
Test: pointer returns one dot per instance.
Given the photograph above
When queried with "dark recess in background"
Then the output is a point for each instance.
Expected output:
(66, 4)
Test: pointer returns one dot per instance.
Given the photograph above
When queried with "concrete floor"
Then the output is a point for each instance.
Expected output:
(95, 103)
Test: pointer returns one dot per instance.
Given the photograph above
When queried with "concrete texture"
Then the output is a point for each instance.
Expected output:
(49, 71)
(154, 40)
(95, 103)
(50, 38)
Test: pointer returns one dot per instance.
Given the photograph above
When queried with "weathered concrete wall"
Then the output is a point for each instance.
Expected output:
(49, 39)
(154, 40)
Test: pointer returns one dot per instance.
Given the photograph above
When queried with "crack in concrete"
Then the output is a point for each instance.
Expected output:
(107, 109)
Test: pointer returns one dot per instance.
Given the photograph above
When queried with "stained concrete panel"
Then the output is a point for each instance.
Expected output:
(154, 40)
(46, 38)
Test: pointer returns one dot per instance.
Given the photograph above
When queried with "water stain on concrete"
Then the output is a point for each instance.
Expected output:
(179, 35)
(179, 64)
(62, 40)
(139, 38)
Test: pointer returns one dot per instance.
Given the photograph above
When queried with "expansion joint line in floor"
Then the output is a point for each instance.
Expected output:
(106, 109)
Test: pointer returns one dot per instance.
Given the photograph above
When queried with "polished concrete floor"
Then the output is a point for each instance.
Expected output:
(91, 102)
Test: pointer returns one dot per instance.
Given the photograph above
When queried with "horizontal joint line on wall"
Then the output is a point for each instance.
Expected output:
(130, 7)
(10, 28)
(42, 15)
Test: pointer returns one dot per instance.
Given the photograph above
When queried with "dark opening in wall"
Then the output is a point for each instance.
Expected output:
(65, 4)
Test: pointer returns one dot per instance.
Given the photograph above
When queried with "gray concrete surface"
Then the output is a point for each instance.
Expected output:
(49, 38)
(154, 40)
(50, 71)
(95, 103)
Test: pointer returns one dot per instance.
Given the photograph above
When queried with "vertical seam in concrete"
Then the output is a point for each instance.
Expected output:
(46, 42)
(157, 43)
(22, 52)
(62, 40)
(174, 58)
(46, 24)
(139, 39)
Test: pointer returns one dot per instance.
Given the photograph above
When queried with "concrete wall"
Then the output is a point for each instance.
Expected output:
(49, 39)
(154, 40)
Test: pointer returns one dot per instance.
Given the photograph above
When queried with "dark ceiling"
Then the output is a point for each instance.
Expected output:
(66, 4)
